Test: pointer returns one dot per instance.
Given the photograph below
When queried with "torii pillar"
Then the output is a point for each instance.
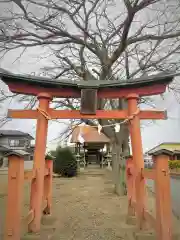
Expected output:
(37, 185)
(137, 151)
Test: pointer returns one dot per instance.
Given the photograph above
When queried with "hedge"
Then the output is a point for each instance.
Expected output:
(175, 164)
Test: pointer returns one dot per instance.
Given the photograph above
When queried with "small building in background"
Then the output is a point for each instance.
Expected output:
(148, 162)
(90, 143)
(11, 140)
(174, 147)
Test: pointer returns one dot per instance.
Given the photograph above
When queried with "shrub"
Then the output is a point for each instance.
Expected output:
(49, 157)
(65, 163)
(174, 164)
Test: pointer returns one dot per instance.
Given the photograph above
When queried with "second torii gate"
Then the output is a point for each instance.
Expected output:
(46, 89)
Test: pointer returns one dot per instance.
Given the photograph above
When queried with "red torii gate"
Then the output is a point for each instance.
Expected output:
(46, 89)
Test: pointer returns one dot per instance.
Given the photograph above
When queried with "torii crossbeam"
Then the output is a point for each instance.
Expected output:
(89, 91)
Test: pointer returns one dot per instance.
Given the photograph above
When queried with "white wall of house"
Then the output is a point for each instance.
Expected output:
(28, 165)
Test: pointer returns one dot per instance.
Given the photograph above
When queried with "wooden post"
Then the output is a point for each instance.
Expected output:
(37, 185)
(48, 187)
(130, 185)
(163, 196)
(138, 159)
(15, 197)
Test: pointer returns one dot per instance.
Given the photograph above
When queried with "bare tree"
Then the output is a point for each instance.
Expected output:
(97, 40)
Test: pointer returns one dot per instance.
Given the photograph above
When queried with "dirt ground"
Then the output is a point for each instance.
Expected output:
(84, 208)
(87, 208)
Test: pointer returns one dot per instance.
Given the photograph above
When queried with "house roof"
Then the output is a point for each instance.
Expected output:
(4, 149)
(161, 152)
(160, 78)
(90, 135)
(170, 146)
(14, 133)
(19, 153)
(9, 152)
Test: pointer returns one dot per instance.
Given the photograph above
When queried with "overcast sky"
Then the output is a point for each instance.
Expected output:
(152, 133)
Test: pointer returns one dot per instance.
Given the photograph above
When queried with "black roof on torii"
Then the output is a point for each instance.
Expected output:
(160, 78)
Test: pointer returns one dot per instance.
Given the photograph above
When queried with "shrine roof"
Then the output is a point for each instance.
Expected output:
(160, 78)
(90, 135)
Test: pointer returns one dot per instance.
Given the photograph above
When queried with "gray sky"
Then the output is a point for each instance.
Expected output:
(152, 133)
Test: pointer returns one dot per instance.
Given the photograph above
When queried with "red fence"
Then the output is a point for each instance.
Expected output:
(162, 222)
(16, 177)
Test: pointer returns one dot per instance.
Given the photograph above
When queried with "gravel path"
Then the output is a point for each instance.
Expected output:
(87, 208)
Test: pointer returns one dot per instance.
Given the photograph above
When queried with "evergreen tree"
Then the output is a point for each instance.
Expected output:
(65, 162)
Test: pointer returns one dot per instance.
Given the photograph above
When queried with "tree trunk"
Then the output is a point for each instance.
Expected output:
(117, 171)
(121, 149)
